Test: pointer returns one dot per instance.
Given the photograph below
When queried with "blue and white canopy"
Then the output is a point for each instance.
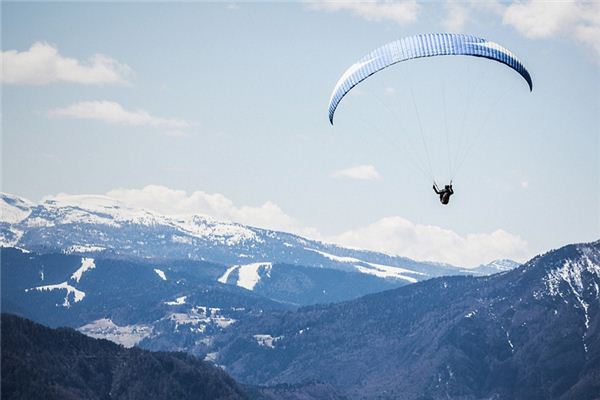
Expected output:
(426, 45)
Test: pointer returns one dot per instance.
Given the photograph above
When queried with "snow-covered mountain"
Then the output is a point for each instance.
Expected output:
(495, 267)
(102, 226)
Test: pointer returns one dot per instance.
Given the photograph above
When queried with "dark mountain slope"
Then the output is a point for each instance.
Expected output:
(174, 305)
(531, 333)
(43, 363)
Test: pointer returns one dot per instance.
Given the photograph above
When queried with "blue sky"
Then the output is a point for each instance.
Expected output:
(221, 109)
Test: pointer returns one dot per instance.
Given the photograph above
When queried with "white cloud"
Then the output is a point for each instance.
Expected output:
(590, 36)
(178, 202)
(543, 19)
(392, 235)
(42, 64)
(114, 113)
(456, 16)
(534, 19)
(524, 184)
(361, 172)
(396, 235)
(402, 12)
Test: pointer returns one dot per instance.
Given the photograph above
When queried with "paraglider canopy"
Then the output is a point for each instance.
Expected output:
(425, 45)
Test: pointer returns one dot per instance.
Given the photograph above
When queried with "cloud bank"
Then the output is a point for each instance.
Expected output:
(535, 19)
(114, 113)
(402, 13)
(392, 235)
(397, 235)
(456, 16)
(42, 64)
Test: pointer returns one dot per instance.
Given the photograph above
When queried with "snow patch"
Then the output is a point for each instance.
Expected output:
(83, 248)
(78, 295)
(181, 239)
(86, 265)
(199, 318)
(387, 271)
(13, 209)
(266, 340)
(378, 270)
(333, 257)
(178, 301)
(161, 274)
(127, 335)
(248, 274)
(571, 273)
(225, 276)
(512, 348)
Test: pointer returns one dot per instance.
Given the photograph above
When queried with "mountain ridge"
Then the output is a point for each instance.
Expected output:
(529, 333)
(100, 225)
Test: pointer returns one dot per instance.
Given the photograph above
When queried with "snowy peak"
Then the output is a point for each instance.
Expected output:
(106, 213)
(496, 266)
(94, 203)
(573, 270)
(14, 209)
(502, 265)
(100, 226)
(95, 209)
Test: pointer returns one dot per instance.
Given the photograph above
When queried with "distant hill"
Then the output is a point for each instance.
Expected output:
(101, 227)
(171, 283)
(528, 333)
(62, 364)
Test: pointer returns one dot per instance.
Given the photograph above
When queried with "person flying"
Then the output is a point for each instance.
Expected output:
(428, 45)
(445, 193)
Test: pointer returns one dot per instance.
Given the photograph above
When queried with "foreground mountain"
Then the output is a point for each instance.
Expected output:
(529, 333)
(62, 364)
